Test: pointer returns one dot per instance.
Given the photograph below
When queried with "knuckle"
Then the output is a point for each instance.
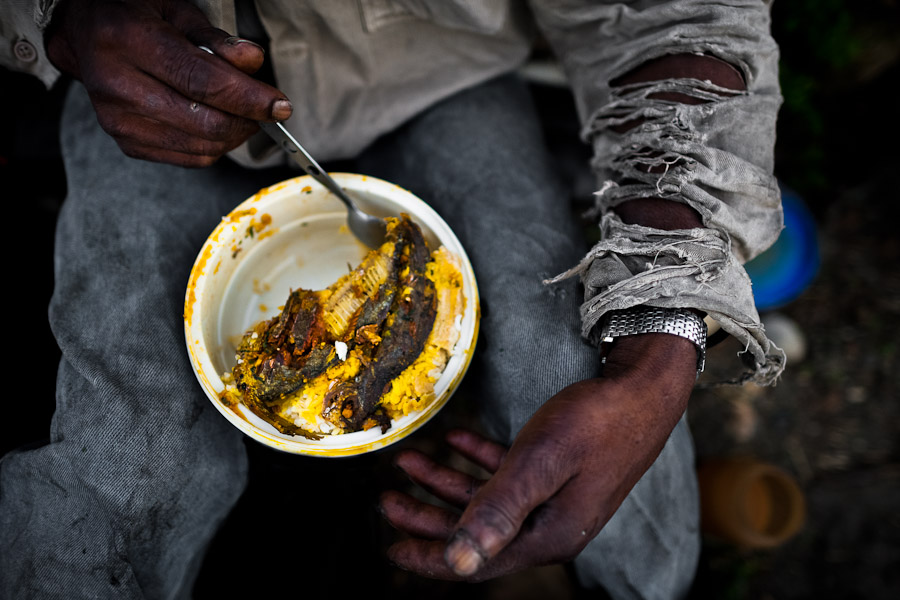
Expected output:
(121, 129)
(208, 152)
(555, 449)
(189, 74)
(225, 130)
(209, 36)
(191, 161)
(119, 132)
(496, 516)
(114, 27)
(201, 162)
(132, 150)
(116, 92)
(218, 126)
(556, 452)
(554, 458)
(111, 124)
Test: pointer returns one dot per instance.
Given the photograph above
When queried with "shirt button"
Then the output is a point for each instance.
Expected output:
(24, 51)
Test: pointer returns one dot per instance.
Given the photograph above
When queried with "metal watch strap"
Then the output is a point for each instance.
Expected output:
(650, 319)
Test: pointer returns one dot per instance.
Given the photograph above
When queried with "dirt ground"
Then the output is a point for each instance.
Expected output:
(832, 422)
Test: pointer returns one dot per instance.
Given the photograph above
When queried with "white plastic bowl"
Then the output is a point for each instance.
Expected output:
(294, 235)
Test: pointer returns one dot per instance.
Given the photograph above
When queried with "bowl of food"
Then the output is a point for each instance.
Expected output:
(311, 343)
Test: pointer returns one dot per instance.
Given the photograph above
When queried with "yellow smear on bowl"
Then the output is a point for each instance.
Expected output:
(196, 272)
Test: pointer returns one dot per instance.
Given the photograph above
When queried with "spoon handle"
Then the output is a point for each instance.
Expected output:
(283, 137)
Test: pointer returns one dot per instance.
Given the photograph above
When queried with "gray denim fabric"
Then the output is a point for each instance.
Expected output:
(141, 470)
(716, 157)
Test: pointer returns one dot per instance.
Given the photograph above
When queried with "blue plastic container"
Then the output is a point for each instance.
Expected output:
(786, 269)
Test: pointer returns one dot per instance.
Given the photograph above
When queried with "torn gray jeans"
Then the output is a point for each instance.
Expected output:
(672, 154)
(715, 157)
(693, 268)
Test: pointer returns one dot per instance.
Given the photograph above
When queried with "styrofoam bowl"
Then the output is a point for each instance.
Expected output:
(294, 235)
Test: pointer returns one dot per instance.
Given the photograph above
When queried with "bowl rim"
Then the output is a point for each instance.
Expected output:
(217, 243)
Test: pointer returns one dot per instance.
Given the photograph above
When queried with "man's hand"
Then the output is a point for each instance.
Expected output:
(565, 475)
(160, 96)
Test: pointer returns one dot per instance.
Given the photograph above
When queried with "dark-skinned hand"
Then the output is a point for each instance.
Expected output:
(155, 91)
(565, 475)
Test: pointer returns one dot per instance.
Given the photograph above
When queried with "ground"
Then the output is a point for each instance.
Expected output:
(833, 420)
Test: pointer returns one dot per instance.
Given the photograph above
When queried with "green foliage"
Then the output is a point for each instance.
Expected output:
(819, 46)
(824, 29)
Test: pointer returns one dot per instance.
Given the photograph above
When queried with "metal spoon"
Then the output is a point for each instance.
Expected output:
(368, 229)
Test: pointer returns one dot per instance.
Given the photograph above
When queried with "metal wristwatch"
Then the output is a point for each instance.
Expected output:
(650, 319)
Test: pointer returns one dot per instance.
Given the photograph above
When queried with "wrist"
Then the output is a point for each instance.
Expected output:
(647, 341)
(661, 364)
(645, 353)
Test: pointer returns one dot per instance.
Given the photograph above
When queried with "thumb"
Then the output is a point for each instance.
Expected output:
(243, 54)
(494, 517)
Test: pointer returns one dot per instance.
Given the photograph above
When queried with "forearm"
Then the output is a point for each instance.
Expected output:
(661, 357)
(652, 357)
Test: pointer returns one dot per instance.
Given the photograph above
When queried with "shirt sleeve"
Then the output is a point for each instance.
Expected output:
(23, 22)
(22, 25)
(717, 157)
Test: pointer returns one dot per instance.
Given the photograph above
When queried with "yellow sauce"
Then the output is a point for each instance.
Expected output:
(413, 389)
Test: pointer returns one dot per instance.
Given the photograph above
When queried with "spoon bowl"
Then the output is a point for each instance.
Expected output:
(368, 229)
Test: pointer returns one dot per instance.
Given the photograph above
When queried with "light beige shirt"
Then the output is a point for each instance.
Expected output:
(353, 69)
(356, 70)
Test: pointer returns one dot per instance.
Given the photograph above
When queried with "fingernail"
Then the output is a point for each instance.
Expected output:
(234, 41)
(462, 556)
(282, 109)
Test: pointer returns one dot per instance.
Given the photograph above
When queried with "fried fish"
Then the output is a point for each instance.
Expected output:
(365, 329)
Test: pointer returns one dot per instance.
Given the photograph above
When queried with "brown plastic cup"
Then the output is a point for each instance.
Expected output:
(749, 503)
